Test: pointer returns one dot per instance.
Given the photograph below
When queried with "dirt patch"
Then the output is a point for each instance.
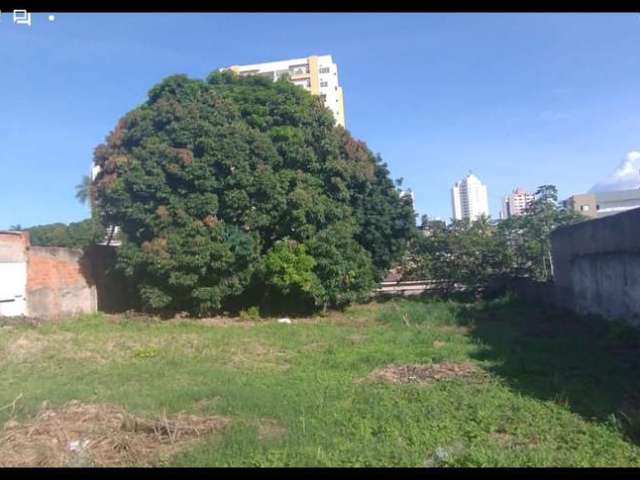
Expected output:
(314, 347)
(507, 440)
(424, 374)
(453, 329)
(357, 338)
(269, 429)
(503, 439)
(256, 355)
(15, 321)
(224, 322)
(99, 435)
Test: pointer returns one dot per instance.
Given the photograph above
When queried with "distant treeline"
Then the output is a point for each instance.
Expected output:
(74, 235)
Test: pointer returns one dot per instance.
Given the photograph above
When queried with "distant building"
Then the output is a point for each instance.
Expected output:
(409, 194)
(112, 237)
(317, 74)
(516, 203)
(469, 199)
(583, 203)
(601, 204)
(430, 226)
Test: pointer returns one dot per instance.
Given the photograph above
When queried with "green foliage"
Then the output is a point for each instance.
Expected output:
(83, 190)
(209, 180)
(526, 239)
(463, 252)
(250, 314)
(75, 235)
(146, 352)
(472, 253)
(288, 268)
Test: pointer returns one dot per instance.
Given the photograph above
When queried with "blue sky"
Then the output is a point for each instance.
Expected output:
(519, 99)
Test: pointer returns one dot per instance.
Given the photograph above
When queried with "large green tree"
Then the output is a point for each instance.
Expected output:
(233, 183)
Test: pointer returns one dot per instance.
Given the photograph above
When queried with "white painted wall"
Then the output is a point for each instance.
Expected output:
(13, 289)
(328, 78)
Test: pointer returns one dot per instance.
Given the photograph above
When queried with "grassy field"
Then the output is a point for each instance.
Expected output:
(548, 389)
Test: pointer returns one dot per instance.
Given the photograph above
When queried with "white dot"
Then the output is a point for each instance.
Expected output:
(52, 18)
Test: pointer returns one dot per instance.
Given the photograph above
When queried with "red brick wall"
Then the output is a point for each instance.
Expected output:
(52, 271)
(59, 282)
(13, 246)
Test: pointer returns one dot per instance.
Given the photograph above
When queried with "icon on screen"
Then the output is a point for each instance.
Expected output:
(21, 17)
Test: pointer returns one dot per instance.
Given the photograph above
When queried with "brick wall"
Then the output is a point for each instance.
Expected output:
(59, 282)
(13, 247)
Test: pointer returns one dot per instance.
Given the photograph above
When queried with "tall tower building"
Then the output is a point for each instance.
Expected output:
(516, 203)
(410, 195)
(469, 199)
(316, 74)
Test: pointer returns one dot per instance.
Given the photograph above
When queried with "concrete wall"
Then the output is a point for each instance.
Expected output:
(597, 266)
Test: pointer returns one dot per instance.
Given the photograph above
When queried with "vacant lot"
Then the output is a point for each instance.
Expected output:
(403, 383)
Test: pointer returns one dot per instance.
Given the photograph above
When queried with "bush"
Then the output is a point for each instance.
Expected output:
(250, 314)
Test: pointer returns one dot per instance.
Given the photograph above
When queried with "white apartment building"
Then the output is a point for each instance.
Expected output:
(516, 203)
(409, 194)
(317, 74)
(469, 199)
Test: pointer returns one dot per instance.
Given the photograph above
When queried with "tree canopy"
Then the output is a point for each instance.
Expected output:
(472, 253)
(74, 235)
(231, 185)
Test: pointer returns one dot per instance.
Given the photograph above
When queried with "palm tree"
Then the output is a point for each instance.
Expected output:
(83, 189)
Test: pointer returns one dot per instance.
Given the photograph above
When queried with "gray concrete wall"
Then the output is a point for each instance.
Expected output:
(597, 266)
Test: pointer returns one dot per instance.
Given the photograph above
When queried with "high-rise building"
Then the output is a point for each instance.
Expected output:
(410, 195)
(469, 199)
(316, 74)
(516, 203)
(602, 204)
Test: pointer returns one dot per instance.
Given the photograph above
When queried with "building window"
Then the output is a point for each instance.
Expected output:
(323, 97)
(324, 70)
(584, 208)
(324, 84)
(298, 70)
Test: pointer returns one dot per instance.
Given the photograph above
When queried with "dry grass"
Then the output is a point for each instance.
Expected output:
(254, 354)
(356, 338)
(31, 345)
(99, 435)
(452, 329)
(422, 374)
(269, 429)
